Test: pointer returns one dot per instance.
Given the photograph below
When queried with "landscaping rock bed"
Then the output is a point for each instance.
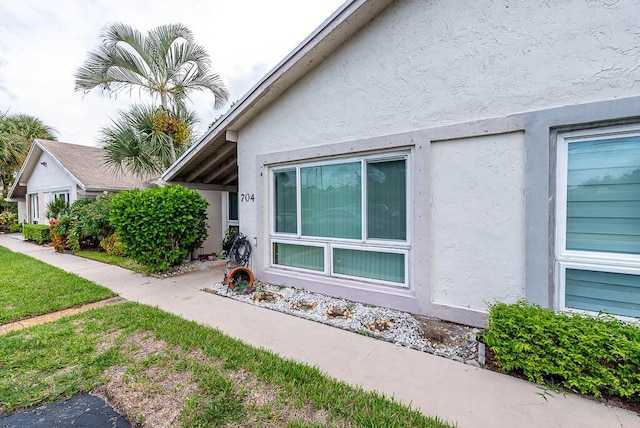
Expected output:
(190, 267)
(453, 341)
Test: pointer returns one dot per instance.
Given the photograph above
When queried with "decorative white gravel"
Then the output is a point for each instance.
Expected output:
(406, 329)
(190, 267)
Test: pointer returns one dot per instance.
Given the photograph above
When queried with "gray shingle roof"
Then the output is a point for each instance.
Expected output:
(86, 164)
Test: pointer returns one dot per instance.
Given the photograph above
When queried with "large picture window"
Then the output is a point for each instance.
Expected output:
(331, 200)
(598, 230)
(318, 208)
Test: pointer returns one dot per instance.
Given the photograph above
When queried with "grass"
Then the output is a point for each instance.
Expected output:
(55, 361)
(123, 262)
(29, 287)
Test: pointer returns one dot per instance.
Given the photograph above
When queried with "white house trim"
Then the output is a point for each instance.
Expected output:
(584, 260)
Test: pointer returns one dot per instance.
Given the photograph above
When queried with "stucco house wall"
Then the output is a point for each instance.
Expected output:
(213, 244)
(46, 180)
(56, 169)
(22, 211)
(420, 65)
(472, 91)
(477, 220)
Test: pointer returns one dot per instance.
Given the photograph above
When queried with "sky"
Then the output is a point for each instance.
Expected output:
(44, 42)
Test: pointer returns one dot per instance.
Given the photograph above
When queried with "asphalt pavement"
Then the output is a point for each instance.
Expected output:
(79, 411)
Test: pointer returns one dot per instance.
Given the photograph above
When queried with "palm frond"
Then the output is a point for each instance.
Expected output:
(124, 144)
(112, 67)
(31, 127)
(133, 144)
(16, 135)
(166, 63)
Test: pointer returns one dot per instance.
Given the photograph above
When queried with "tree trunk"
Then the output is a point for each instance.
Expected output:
(172, 148)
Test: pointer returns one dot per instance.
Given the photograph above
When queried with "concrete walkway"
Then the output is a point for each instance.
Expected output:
(456, 392)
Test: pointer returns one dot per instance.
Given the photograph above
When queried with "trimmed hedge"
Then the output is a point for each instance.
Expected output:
(37, 232)
(16, 228)
(160, 226)
(589, 355)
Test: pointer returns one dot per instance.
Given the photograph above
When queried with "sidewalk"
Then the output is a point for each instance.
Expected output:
(437, 386)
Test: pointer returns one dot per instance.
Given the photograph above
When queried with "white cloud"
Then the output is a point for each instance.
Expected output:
(44, 42)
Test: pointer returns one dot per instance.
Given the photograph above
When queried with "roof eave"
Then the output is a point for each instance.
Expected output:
(341, 25)
(27, 161)
(64, 168)
(109, 188)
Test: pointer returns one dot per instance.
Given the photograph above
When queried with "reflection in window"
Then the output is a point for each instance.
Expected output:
(596, 291)
(344, 219)
(331, 200)
(603, 195)
(369, 264)
(63, 196)
(602, 174)
(387, 200)
(285, 202)
(300, 256)
(233, 206)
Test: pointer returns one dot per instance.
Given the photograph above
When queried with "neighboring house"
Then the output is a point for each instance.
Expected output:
(56, 170)
(439, 156)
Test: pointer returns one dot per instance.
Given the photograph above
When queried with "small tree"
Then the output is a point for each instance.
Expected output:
(7, 219)
(160, 227)
(90, 221)
(168, 65)
(57, 208)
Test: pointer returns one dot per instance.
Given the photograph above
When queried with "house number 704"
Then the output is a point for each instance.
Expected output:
(246, 197)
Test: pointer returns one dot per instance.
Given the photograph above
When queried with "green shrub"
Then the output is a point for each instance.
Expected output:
(15, 228)
(113, 245)
(7, 219)
(37, 232)
(160, 226)
(56, 209)
(8, 206)
(90, 223)
(229, 237)
(586, 354)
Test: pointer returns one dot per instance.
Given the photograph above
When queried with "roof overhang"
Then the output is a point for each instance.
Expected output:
(19, 188)
(212, 161)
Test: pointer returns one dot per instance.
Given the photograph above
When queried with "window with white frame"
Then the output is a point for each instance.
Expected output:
(35, 208)
(598, 221)
(344, 218)
(62, 196)
(232, 208)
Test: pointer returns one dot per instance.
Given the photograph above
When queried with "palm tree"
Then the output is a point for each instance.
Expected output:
(30, 128)
(16, 134)
(141, 140)
(166, 64)
(10, 150)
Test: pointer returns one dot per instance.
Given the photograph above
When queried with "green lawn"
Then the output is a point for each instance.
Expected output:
(29, 287)
(130, 349)
(123, 262)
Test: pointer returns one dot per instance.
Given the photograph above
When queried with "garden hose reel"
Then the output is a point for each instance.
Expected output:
(238, 276)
